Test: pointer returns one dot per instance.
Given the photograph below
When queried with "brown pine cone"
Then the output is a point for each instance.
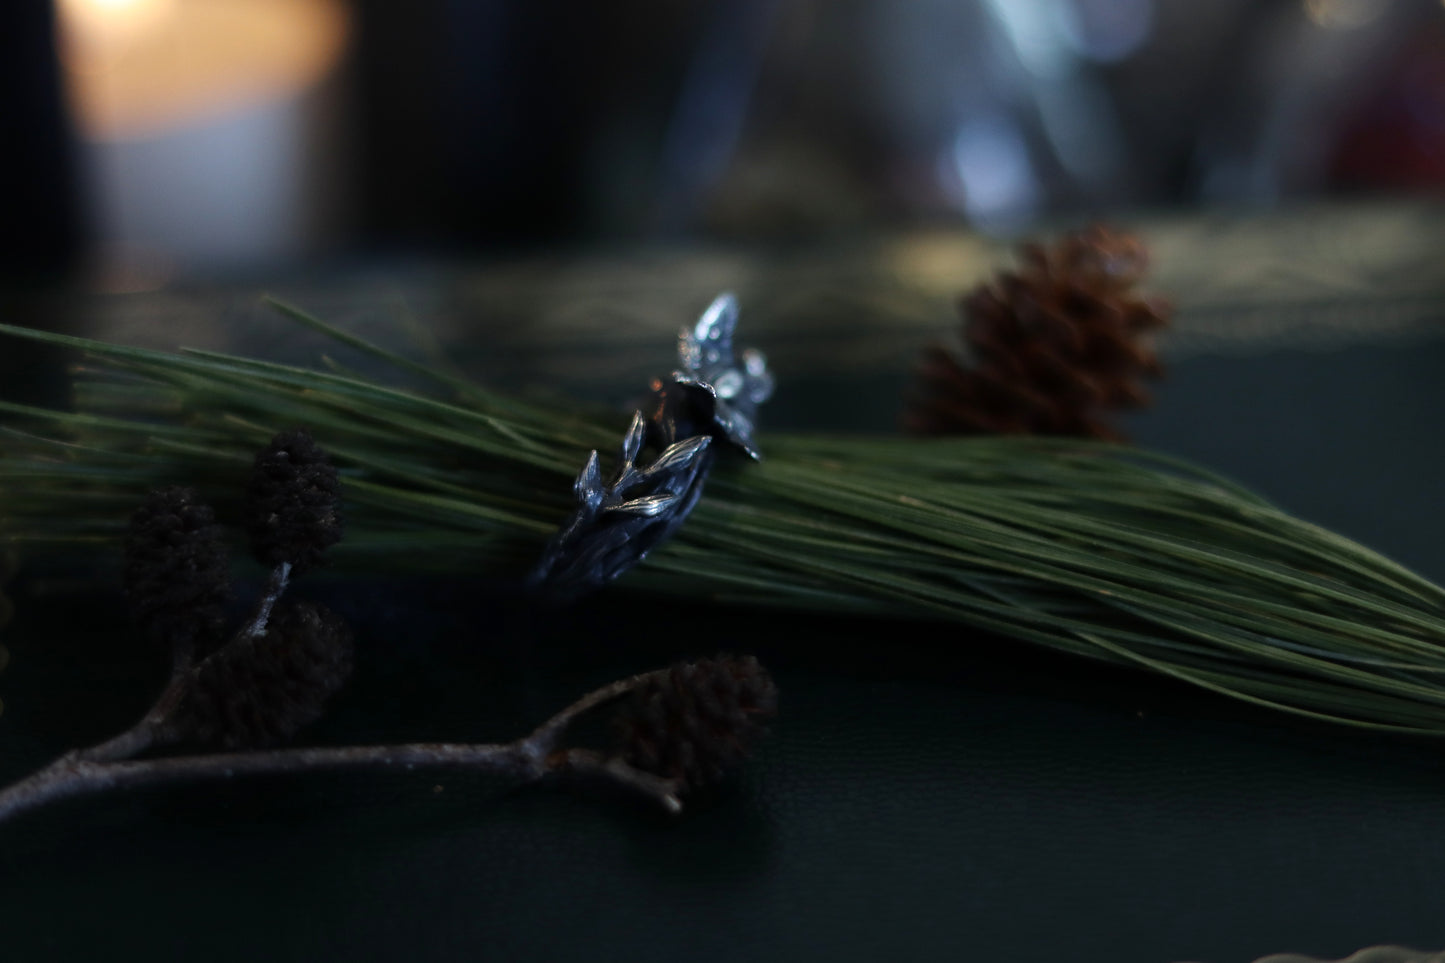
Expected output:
(698, 721)
(1054, 347)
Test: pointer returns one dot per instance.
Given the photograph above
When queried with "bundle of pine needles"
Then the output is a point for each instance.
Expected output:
(1089, 547)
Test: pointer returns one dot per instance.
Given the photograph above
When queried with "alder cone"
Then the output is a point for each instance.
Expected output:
(1053, 348)
(698, 721)
(258, 692)
(292, 502)
(177, 571)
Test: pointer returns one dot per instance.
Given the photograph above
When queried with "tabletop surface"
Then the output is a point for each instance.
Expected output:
(927, 792)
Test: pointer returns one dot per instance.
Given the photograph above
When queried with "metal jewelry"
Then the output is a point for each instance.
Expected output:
(711, 400)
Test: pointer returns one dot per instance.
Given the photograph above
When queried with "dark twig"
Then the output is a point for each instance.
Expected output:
(260, 683)
(275, 588)
(537, 756)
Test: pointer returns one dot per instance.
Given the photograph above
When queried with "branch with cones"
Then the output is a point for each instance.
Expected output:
(679, 730)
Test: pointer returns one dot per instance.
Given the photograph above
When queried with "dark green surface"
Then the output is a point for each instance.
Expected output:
(945, 797)
(1348, 437)
(927, 793)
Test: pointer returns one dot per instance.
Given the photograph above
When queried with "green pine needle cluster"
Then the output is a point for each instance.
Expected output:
(1096, 549)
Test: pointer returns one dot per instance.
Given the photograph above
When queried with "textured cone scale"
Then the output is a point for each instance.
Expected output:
(292, 502)
(259, 691)
(176, 571)
(1053, 348)
(698, 721)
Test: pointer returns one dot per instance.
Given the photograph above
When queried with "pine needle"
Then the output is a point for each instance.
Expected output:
(1096, 549)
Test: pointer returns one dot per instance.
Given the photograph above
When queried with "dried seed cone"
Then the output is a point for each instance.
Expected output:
(176, 569)
(698, 721)
(292, 502)
(260, 691)
(1054, 348)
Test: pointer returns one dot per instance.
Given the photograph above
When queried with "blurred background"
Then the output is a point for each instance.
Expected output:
(147, 140)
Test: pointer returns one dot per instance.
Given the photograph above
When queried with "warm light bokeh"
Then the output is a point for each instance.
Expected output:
(135, 67)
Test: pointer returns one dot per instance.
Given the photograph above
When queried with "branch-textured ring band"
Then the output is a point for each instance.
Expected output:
(712, 398)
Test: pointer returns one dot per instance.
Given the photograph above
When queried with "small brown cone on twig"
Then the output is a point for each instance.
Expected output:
(698, 721)
(1052, 348)
(259, 691)
(177, 570)
(292, 502)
